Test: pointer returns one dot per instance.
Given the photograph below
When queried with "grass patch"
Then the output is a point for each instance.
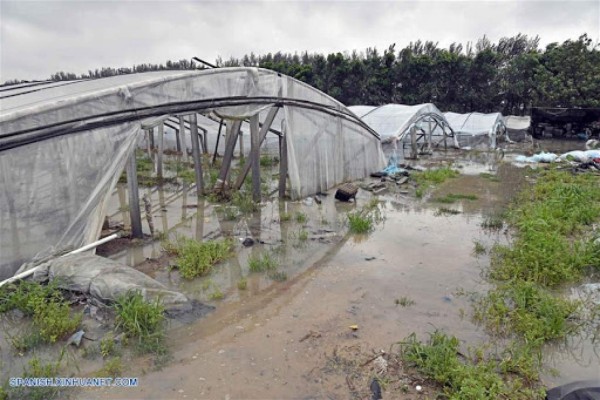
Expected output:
(49, 310)
(478, 248)
(446, 211)
(144, 322)
(300, 218)
(435, 176)
(404, 301)
(242, 284)
(263, 262)
(37, 368)
(112, 368)
(463, 377)
(268, 161)
(453, 198)
(493, 222)
(490, 177)
(217, 294)
(303, 235)
(278, 276)
(198, 258)
(243, 201)
(284, 216)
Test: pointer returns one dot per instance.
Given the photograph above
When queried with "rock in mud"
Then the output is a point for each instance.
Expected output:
(75, 339)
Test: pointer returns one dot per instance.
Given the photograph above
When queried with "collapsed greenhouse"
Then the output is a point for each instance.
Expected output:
(475, 128)
(401, 126)
(63, 145)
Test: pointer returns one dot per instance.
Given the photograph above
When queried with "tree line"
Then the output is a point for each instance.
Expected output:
(509, 76)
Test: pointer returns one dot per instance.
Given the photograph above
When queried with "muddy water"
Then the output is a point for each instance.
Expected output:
(283, 339)
(277, 339)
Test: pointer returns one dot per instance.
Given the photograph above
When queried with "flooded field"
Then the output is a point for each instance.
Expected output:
(311, 328)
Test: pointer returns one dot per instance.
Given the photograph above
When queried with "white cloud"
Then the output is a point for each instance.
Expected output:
(42, 37)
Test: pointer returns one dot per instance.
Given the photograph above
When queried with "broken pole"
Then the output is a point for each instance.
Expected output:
(263, 134)
(413, 142)
(283, 164)
(254, 157)
(161, 147)
(134, 198)
(196, 155)
(177, 140)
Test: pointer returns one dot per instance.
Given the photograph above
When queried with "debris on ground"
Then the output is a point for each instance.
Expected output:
(311, 335)
(346, 192)
(247, 242)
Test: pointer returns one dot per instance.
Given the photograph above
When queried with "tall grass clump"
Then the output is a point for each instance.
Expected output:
(365, 219)
(263, 262)
(46, 305)
(435, 176)
(198, 258)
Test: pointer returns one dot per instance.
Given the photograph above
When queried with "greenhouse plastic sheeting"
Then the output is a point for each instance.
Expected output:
(64, 145)
(393, 123)
(517, 127)
(469, 125)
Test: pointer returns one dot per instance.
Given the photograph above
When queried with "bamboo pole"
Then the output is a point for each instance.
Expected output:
(283, 165)
(161, 147)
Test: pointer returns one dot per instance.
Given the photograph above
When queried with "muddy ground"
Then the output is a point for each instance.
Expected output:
(416, 272)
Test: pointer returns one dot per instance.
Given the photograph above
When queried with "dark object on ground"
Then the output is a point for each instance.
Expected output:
(378, 174)
(318, 200)
(247, 242)
(375, 390)
(346, 192)
(580, 390)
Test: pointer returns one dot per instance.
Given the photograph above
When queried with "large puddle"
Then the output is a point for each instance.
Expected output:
(277, 337)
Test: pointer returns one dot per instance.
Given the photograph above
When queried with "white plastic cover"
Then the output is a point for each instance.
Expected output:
(517, 127)
(468, 126)
(393, 121)
(64, 145)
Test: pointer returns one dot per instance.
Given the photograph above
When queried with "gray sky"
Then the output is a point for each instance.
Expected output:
(39, 38)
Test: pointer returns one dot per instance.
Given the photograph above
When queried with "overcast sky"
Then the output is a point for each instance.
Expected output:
(39, 38)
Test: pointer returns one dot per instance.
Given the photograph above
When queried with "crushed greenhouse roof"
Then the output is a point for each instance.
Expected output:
(63, 145)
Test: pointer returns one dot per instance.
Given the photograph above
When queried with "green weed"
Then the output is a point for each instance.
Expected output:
(479, 248)
(242, 284)
(284, 216)
(198, 258)
(452, 198)
(264, 262)
(268, 161)
(301, 218)
(278, 276)
(112, 368)
(446, 211)
(217, 294)
(243, 201)
(404, 301)
(493, 222)
(490, 177)
(302, 235)
(462, 377)
(51, 314)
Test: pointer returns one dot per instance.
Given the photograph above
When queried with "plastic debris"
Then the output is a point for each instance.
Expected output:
(353, 327)
(537, 158)
(75, 338)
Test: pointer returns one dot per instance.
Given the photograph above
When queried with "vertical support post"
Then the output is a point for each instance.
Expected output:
(134, 198)
(177, 141)
(263, 134)
(150, 134)
(241, 139)
(196, 155)
(217, 142)
(254, 157)
(413, 142)
(182, 135)
(232, 133)
(161, 147)
(283, 164)
(429, 137)
(151, 138)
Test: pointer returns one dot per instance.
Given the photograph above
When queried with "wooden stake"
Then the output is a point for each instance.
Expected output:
(217, 142)
(161, 147)
(283, 165)
(254, 157)
(233, 128)
(196, 155)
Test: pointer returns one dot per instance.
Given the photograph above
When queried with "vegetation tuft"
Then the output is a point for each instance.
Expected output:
(50, 311)
(453, 198)
(264, 262)
(198, 258)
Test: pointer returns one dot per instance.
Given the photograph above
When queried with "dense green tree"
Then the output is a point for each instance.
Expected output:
(510, 76)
